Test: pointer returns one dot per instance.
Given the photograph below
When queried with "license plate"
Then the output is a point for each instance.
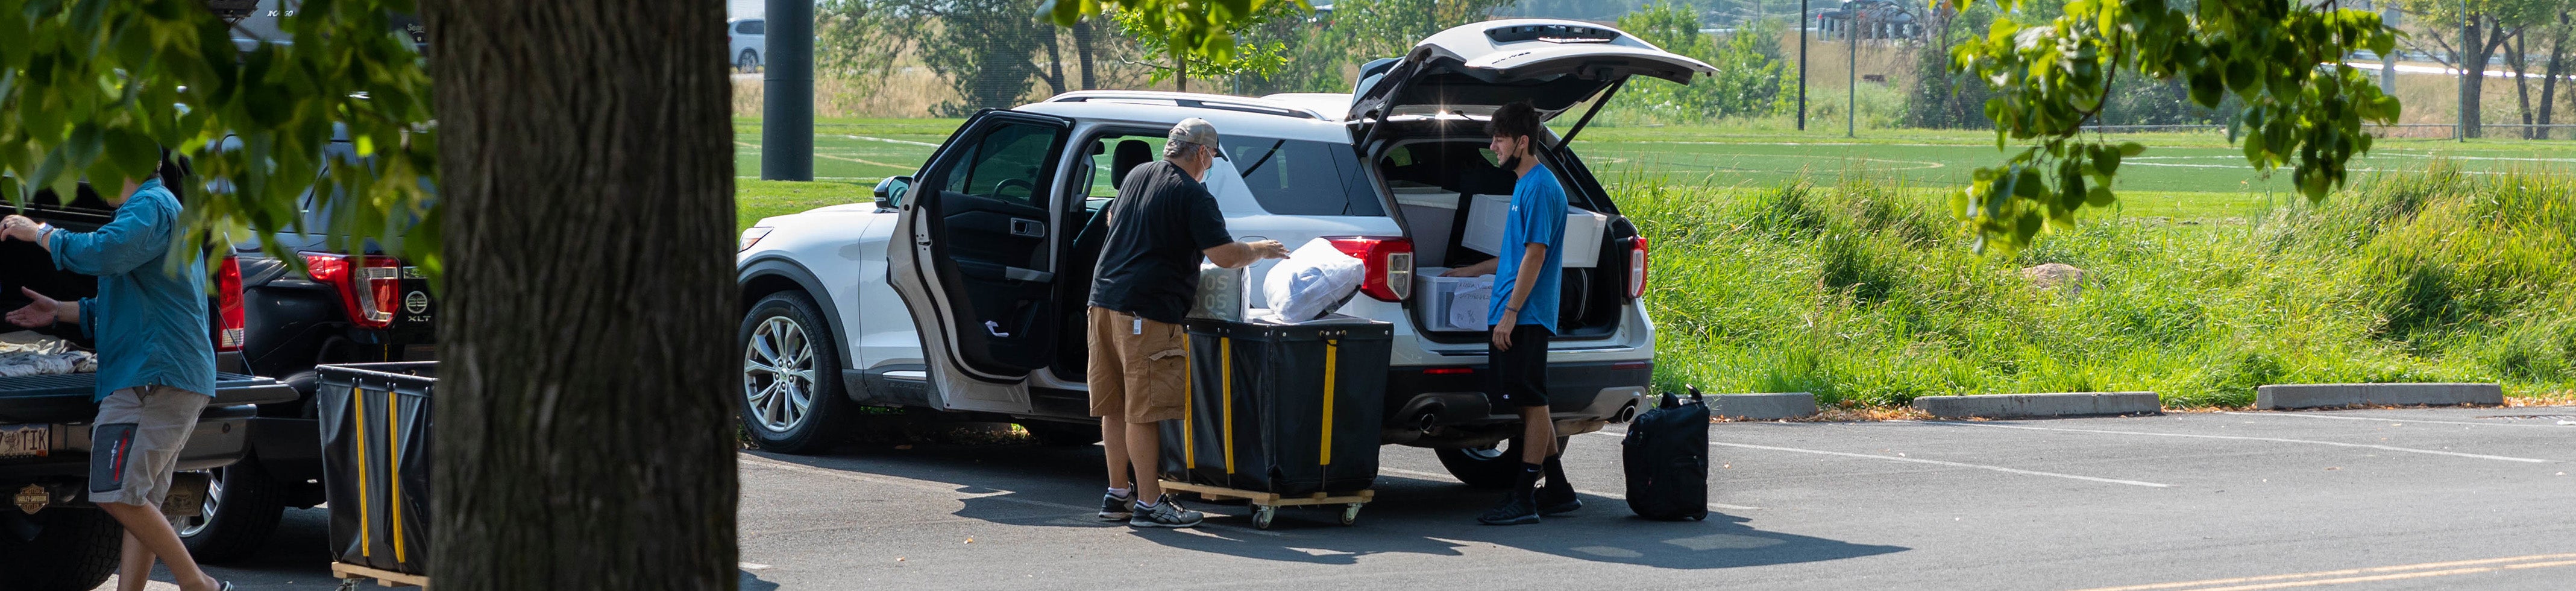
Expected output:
(26, 440)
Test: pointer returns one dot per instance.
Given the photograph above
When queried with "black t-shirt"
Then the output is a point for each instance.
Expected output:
(1158, 226)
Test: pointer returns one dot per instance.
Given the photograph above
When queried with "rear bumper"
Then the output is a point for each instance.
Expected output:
(222, 436)
(1445, 406)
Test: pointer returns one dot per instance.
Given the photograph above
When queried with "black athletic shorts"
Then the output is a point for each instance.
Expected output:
(1517, 378)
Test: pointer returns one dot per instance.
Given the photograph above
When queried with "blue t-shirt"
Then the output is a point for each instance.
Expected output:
(1537, 217)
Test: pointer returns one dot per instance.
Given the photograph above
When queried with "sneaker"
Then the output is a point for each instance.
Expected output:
(1554, 499)
(1519, 507)
(1165, 513)
(1114, 507)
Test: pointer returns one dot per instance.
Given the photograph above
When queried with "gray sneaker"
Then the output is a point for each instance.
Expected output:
(1114, 507)
(1165, 513)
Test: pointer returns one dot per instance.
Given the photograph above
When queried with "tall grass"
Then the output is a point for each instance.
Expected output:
(1865, 291)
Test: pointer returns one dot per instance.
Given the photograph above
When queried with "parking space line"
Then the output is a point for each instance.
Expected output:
(2367, 575)
(1615, 496)
(1946, 463)
(2244, 438)
(2386, 420)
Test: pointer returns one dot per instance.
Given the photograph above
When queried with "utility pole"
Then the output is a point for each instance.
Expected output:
(2388, 15)
(787, 93)
(1851, 74)
(2468, 77)
(1803, 22)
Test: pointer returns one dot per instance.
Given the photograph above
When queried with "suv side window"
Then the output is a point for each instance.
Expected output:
(1006, 165)
(752, 28)
(1297, 177)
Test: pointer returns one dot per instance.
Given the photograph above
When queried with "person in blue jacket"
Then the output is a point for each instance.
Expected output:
(156, 361)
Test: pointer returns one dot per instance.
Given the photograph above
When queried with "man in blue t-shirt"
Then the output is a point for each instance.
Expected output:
(1527, 275)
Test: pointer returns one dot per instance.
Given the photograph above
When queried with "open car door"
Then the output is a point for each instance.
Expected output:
(970, 256)
(1479, 67)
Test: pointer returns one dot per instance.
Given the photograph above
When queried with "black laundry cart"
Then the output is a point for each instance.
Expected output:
(1281, 415)
(375, 451)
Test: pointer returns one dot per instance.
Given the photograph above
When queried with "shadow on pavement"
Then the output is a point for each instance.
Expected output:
(750, 582)
(1036, 486)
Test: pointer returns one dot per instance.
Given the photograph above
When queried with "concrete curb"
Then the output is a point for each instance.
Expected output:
(1763, 407)
(2282, 396)
(2071, 404)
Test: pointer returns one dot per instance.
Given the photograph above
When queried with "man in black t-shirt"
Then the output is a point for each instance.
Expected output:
(1160, 225)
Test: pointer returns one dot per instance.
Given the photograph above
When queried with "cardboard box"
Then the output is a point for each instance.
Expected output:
(1484, 231)
(1453, 303)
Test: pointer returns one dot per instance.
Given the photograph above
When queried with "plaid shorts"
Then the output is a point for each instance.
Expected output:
(134, 445)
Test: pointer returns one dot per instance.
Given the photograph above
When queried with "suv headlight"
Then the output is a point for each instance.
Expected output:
(750, 237)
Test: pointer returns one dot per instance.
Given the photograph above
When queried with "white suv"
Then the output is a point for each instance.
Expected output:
(962, 288)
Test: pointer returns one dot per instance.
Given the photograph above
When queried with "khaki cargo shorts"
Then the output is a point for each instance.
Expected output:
(1138, 372)
(134, 447)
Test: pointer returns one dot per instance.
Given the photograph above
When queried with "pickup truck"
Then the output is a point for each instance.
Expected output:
(51, 536)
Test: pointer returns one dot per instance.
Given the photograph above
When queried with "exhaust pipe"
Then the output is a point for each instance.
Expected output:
(1626, 412)
(1428, 420)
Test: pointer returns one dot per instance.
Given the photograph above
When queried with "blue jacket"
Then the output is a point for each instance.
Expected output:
(150, 321)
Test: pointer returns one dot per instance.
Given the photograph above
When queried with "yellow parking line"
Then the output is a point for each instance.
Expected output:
(2288, 580)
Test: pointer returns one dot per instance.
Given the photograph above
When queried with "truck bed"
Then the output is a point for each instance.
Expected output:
(65, 398)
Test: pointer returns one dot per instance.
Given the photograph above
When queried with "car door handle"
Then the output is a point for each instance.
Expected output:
(1028, 228)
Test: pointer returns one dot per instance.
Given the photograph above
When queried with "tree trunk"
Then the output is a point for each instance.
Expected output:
(1180, 73)
(2521, 63)
(1055, 59)
(1082, 50)
(2556, 68)
(588, 315)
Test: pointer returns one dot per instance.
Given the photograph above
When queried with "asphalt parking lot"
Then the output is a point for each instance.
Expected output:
(2368, 499)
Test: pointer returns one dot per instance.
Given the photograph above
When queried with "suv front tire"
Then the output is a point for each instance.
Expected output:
(791, 383)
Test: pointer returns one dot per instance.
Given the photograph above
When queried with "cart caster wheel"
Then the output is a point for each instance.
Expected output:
(1261, 516)
(1351, 514)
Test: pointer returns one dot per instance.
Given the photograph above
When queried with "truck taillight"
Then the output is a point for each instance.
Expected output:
(1637, 267)
(229, 330)
(369, 285)
(1389, 264)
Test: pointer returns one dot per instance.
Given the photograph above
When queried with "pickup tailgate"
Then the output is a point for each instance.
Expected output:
(65, 398)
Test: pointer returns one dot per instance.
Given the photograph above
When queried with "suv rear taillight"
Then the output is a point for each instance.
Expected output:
(229, 330)
(1637, 267)
(368, 285)
(1389, 263)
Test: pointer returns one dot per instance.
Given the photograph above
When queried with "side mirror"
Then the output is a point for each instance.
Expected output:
(890, 191)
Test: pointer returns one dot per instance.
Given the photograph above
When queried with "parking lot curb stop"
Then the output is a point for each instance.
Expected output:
(2070, 404)
(2282, 396)
(1763, 407)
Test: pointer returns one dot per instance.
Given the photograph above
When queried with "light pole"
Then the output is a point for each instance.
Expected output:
(787, 92)
(2468, 79)
(1851, 73)
(1802, 65)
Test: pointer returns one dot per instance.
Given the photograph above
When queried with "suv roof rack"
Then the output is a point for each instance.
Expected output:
(1201, 101)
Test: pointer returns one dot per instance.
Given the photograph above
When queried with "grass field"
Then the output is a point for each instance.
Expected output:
(1789, 262)
(2183, 175)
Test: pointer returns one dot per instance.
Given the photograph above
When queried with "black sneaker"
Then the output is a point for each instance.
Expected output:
(1554, 499)
(1519, 507)
(1114, 507)
(1165, 513)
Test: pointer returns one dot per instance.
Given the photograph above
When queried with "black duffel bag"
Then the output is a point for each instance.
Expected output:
(1666, 458)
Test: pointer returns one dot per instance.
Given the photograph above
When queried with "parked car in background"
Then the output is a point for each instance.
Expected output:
(333, 304)
(959, 291)
(749, 39)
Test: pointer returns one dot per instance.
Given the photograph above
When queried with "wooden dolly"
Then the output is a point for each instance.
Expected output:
(349, 575)
(1265, 506)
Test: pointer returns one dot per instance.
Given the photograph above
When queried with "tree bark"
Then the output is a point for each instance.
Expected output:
(1082, 50)
(588, 316)
(2521, 63)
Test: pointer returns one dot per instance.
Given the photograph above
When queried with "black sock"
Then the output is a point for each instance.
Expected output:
(1556, 471)
(1529, 474)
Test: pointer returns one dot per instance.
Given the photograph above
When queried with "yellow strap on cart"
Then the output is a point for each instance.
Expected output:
(366, 531)
(1189, 367)
(1225, 396)
(393, 478)
(1332, 357)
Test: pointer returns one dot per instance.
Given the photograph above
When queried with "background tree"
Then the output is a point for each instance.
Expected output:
(1183, 28)
(2303, 107)
(586, 202)
(986, 48)
(852, 39)
(2471, 37)
(1260, 48)
(1751, 78)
